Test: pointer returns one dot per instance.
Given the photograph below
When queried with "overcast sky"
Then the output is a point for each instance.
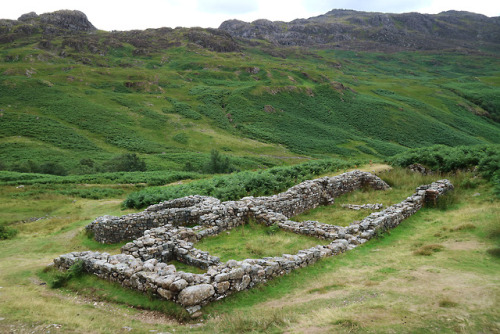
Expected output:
(142, 14)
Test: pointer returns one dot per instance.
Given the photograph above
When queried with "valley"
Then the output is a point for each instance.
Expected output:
(96, 123)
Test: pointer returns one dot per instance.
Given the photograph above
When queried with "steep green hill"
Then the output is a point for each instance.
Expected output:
(173, 95)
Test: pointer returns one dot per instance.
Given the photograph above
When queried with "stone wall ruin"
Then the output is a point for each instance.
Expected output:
(161, 235)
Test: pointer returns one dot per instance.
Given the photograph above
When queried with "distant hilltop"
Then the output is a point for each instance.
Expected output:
(354, 29)
(345, 29)
(58, 21)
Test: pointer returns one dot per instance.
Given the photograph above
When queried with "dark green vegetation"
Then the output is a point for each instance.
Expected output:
(62, 278)
(447, 159)
(238, 185)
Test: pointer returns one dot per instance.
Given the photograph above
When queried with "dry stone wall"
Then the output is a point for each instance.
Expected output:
(142, 264)
(209, 211)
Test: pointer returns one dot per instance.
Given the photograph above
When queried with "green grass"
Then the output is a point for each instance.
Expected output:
(253, 241)
(92, 287)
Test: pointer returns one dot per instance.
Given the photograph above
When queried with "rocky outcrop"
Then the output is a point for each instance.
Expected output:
(62, 22)
(142, 265)
(72, 20)
(364, 30)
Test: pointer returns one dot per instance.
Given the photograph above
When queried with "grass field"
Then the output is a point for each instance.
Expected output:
(436, 272)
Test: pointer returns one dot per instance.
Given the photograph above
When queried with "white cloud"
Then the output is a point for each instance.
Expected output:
(227, 6)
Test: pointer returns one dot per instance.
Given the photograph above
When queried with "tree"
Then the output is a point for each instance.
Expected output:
(53, 168)
(218, 164)
(128, 162)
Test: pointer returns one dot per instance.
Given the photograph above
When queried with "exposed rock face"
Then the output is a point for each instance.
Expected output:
(352, 29)
(213, 39)
(77, 33)
(62, 22)
(28, 17)
(72, 20)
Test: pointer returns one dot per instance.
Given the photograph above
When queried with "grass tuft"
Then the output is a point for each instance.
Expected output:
(348, 324)
(428, 250)
(464, 227)
(447, 303)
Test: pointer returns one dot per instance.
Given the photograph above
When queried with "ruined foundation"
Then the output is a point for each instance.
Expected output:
(161, 235)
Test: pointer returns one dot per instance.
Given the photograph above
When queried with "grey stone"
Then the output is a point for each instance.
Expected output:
(222, 286)
(167, 294)
(194, 295)
(178, 285)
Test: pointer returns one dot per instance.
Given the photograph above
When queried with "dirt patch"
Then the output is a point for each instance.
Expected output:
(469, 245)
(154, 317)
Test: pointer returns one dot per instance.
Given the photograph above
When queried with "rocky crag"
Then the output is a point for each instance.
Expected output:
(60, 21)
(344, 29)
(349, 29)
(143, 262)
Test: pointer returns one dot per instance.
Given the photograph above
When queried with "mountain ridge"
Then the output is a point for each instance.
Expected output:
(351, 29)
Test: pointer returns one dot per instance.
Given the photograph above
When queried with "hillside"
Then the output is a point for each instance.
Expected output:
(69, 92)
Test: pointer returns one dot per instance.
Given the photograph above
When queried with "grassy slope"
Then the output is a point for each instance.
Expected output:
(379, 287)
(172, 105)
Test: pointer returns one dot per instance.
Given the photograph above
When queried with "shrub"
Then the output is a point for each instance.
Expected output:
(62, 278)
(128, 162)
(87, 162)
(53, 168)
(237, 185)
(26, 166)
(7, 232)
(273, 229)
(495, 252)
(218, 164)
(181, 138)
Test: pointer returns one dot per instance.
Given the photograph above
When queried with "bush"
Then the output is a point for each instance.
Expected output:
(7, 232)
(181, 138)
(128, 162)
(26, 166)
(447, 159)
(53, 168)
(218, 164)
(273, 229)
(238, 185)
(61, 279)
